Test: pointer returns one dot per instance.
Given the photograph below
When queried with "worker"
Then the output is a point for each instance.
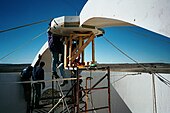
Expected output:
(26, 75)
(57, 52)
(38, 75)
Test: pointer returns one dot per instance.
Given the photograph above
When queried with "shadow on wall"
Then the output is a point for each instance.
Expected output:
(12, 94)
(117, 104)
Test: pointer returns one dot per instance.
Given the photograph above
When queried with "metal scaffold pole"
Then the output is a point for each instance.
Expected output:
(94, 87)
(52, 92)
(108, 77)
(77, 91)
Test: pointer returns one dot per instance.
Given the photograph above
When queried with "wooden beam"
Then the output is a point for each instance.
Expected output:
(80, 44)
(93, 51)
(70, 50)
(82, 47)
(82, 35)
(75, 49)
(65, 52)
(82, 57)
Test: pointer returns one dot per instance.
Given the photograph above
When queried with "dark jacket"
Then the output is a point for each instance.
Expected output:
(39, 75)
(55, 44)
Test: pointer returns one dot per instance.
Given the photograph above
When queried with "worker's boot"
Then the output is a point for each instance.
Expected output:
(64, 83)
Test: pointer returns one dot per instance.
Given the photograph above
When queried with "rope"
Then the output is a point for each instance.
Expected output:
(55, 105)
(124, 77)
(42, 21)
(63, 97)
(25, 25)
(167, 82)
(21, 46)
(162, 79)
(125, 54)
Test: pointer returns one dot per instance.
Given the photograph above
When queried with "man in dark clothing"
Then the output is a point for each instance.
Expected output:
(36, 66)
(55, 48)
(39, 75)
(26, 76)
(57, 51)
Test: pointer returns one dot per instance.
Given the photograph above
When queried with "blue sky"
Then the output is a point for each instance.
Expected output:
(138, 43)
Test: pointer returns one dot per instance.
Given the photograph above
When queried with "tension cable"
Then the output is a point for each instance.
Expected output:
(25, 25)
(21, 46)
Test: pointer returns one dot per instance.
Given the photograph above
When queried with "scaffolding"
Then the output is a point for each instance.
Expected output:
(74, 49)
(75, 100)
(92, 88)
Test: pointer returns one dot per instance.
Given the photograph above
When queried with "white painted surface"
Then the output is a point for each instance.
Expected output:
(46, 57)
(153, 15)
(11, 95)
(136, 92)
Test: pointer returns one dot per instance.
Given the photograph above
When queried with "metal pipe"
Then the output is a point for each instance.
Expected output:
(52, 92)
(105, 107)
(108, 77)
(77, 91)
(94, 85)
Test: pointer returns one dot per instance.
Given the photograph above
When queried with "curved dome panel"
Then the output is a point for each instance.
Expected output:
(104, 22)
(153, 15)
(46, 57)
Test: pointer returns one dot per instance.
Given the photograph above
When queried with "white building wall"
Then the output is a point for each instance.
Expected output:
(137, 92)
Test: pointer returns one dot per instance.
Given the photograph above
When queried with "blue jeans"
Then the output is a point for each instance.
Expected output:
(55, 60)
(38, 93)
(55, 63)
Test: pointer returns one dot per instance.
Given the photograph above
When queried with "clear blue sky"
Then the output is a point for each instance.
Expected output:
(140, 44)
